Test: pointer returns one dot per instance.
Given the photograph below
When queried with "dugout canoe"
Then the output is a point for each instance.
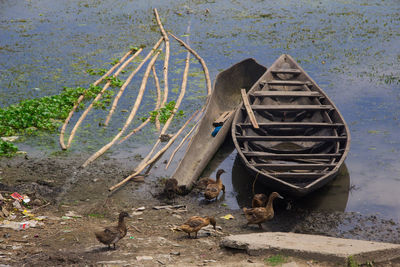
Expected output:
(287, 131)
(224, 99)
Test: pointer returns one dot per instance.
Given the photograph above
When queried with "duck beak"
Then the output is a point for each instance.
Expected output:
(281, 197)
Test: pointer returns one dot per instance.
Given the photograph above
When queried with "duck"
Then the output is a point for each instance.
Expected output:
(171, 188)
(259, 200)
(259, 215)
(203, 182)
(214, 188)
(112, 234)
(195, 223)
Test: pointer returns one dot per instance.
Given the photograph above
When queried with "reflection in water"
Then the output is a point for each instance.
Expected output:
(239, 182)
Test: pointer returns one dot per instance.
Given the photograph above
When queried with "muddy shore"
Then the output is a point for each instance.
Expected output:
(59, 183)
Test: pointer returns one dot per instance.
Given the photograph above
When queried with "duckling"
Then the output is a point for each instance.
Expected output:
(112, 234)
(195, 223)
(259, 200)
(214, 188)
(260, 214)
(171, 188)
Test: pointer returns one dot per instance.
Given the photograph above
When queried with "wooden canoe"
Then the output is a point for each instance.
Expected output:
(297, 140)
(219, 111)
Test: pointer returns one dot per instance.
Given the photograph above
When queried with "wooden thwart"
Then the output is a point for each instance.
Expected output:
(291, 107)
(293, 125)
(248, 109)
(285, 93)
(222, 118)
(291, 156)
(286, 71)
(300, 166)
(314, 138)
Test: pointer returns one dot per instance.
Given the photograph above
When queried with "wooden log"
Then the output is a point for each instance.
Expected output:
(156, 156)
(158, 104)
(131, 115)
(128, 80)
(222, 118)
(202, 62)
(248, 109)
(82, 96)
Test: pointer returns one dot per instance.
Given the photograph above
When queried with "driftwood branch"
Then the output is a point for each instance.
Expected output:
(156, 156)
(82, 96)
(128, 80)
(202, 62)
(156, 108)
(166, 58)
(158, 104)
(178, 103)
(131, 115)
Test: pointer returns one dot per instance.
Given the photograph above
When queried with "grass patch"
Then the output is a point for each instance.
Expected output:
(275, 260)
(7, 149)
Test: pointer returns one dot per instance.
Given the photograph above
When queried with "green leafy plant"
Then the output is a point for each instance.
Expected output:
(115, 81)
(351, 262)
(96, 71)
(275, 260)
(165, 113)
(7, 149)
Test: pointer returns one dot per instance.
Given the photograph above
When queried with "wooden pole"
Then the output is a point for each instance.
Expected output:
(202, 62)
(128, 80)
(131, 115)
(158, 104)
(156, 108)
(166, 59)
(82, 96)
(156, 156)
(178, 103)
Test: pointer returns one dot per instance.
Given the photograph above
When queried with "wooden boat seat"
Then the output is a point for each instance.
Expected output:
(284, 82)
(293, 125)
(291, 107)
(291, 156)
(286, 71)
(286, 94)
(299, 166)
(312, 138)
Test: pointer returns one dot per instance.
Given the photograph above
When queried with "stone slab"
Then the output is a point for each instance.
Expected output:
(316, 247)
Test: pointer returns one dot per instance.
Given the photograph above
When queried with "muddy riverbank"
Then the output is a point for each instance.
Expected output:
(64, 241)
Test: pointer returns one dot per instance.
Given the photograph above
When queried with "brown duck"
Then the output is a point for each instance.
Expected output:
(171, 188)
(259, 200)
(260, 214)
(112, 234)
(195, 223)
(214, 188)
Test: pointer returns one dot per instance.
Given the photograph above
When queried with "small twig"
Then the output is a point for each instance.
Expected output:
(136, 229)
(202, 62)
(155, 156)
(128, 80)
(82, 96)
(38, 208)
(131, 115)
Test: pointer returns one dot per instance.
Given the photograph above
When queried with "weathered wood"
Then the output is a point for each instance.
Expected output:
(293, 138)
(222, 118)
(285, 94)
(291, 156)
(293, 125)
(309, 175)
(286, 71)
(284, 82)
(291, 107)
(248, 109)
(288, 166)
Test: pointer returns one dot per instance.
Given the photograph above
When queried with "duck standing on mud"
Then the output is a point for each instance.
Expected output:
(261, 214)
(214, 187)
(259, 200)
(195, 223)
(112, 234)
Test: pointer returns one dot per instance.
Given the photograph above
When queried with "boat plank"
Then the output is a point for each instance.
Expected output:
(286, 93)
(299, 166)
(291, 107)
(291, 138)
(288, 71)
(248, 109)
(293, 124)
(291, 156)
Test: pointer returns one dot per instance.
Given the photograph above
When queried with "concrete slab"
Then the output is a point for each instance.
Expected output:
(316, 247)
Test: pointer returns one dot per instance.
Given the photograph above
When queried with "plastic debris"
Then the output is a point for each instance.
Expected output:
(228, 217)
(9, 138)
(17, 196)
(144, 258)
(216, 130)
(140, 209)
(72, 214)
(19, 225)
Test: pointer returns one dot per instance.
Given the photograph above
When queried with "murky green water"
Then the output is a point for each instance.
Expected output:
(350, 48)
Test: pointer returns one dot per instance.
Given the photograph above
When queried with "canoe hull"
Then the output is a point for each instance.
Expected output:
(225, 97)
